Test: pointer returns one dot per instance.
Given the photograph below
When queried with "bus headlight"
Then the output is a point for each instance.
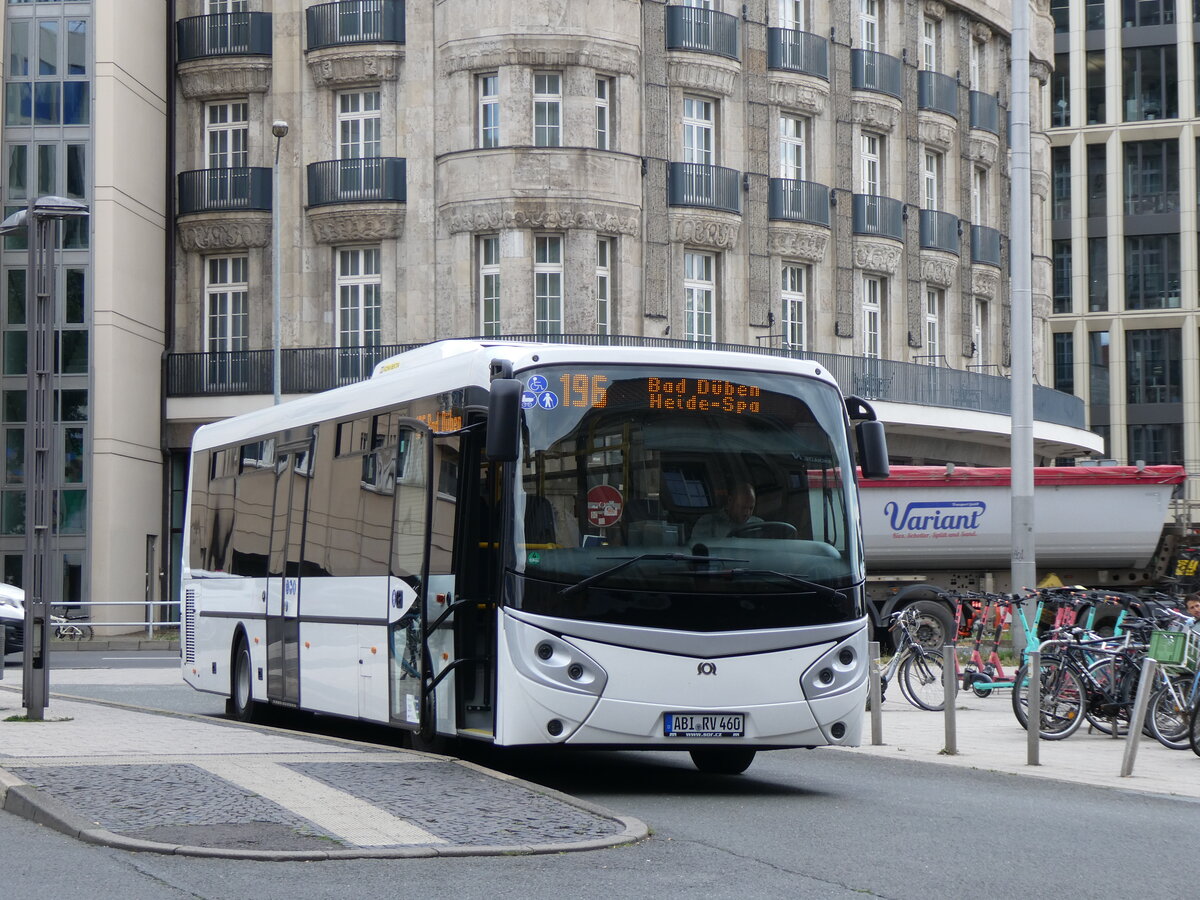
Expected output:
(838, 669)
(552, 661)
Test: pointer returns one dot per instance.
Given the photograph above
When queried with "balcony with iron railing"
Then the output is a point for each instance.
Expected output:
(797, 51)
(703, 30)
(985, 246)
(985, 112)
(871, 71)
(939, 231)
(312, 369)
(878, 216)
(790, 200)
(223, 34)
(937, 92)
(220, 190)
(355, 22)
(369, 179)
(704, 186)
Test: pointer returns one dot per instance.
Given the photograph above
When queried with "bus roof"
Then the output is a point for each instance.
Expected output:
(454, 364)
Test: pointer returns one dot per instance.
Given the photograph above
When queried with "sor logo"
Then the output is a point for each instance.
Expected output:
(706, 668)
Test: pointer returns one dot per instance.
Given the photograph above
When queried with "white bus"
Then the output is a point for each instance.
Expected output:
(532, 544)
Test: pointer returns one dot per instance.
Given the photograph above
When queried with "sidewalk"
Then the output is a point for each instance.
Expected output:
(196, 786)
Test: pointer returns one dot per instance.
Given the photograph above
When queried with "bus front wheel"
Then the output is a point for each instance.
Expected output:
(241, 705)
(722, 760)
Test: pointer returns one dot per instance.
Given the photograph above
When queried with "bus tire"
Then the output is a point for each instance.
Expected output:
(936, 627)
(722, 760)
(241, 705)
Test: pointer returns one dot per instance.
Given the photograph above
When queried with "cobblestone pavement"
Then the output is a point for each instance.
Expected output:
(194, 785)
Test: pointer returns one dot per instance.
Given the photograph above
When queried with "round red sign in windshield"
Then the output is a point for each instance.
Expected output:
(604, 506)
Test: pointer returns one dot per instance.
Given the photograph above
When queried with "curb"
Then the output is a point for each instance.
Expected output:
(24, 800)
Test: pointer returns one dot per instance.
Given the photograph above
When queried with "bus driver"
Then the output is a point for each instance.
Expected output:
(737, 513)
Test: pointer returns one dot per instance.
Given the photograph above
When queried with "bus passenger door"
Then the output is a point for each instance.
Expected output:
(283, 582)
(409, 574)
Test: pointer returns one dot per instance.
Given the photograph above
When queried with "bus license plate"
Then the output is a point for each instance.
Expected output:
(704, 725)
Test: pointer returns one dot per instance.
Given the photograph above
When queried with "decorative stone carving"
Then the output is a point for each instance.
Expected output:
(874, 113)
(361, 64)
(938, 270)
(983, 147)
(227, 76)
(712, 230)
(1040, 71)
(1041, 306)
(1039, 182)
(981, 32)
(872, 256)
(714, 77)
(935, 130)
(934, 9)
(538, 51)
(224, 231)
(555, 215)
(347, 223)
(799, 92)
(984, 281)
(798, 240)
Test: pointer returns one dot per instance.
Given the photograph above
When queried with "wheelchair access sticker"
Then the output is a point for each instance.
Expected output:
(537, 395)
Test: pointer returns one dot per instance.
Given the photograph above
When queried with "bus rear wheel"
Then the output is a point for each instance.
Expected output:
(722, 760)
(241, 706)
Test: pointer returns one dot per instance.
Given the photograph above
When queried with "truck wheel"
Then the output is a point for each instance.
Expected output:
(935, 627)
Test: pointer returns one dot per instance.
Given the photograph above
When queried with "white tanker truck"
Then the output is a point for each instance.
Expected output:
(935, 529)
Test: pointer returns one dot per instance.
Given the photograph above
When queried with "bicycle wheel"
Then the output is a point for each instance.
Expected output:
(1101, 708)
(921, 681)
(1194, 727)
(1063, 699)
(1168, 713)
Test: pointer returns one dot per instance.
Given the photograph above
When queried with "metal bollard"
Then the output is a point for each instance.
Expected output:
(1137, 717)
(950, 688)
(1033, 721)
(876, 694)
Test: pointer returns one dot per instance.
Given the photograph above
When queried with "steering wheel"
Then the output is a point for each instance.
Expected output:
(777, 530)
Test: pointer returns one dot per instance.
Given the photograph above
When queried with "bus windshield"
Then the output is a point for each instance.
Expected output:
(690, 499)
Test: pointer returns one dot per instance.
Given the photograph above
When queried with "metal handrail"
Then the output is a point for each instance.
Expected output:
(797, 51)
(215, 190)
(791, 200)
(985, 112)
(880, 216)
(355, 22)
(366, 179)
(704, 30)
(939, 231)
(985, 245)
(223, 34)
(872, 71)
(709, 187)
(937, 92)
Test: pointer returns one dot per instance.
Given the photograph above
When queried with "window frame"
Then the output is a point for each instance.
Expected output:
(699, 296)
(548, 283)
(547, 134)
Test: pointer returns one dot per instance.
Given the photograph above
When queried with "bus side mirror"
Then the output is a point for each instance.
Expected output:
(504, 420)
(872, 449)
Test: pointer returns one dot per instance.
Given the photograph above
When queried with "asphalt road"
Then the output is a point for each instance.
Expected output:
(824, 823)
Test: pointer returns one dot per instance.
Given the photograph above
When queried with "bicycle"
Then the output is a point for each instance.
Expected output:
(66, 629)
(917, 668)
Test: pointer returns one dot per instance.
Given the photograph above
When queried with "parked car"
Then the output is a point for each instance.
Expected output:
(12, 617)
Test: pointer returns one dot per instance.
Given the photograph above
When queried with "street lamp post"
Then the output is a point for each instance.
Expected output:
(279, 128)
(39, 220)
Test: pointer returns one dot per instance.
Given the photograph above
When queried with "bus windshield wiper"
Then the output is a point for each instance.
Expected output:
(822, 590)
(612, 570)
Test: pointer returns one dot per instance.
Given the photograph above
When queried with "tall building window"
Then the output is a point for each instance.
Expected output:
(488, 87)
(1097, 274)
(227, 318)
(872, 316)
(795, 306)
(699, 288)
(868, 24)
(489, 284)
(226, 142)
(1060, 91)
(871, 163)
(793, 134)
(932, 177)
(1060, 177)
(697, 131)
(359, 142)
(931, 33)
(935, 300)
(1151, 174)
(359, 297)
(979, 195)
(1093, 14)
(1060, 11)
(1097, 180)
(1097, 88)
(47, 80)
(980, 329)
(1062, 276)
(1153, 366)
(1098, 359)
(793, 14)
(1155, 444)
(1149, 83)
(1064, 362)
(1140, 13)
(976, 69)
(604, 93)
(1152, 271)
(548, 284)
(547, 109)
(604, 265)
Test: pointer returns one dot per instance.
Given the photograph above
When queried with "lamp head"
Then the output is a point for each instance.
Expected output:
(279, 128)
